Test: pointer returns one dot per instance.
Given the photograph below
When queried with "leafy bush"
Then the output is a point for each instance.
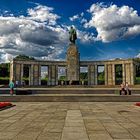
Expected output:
(137, 80)
(4, 80)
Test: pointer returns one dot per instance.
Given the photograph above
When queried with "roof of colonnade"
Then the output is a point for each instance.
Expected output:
(82, 63)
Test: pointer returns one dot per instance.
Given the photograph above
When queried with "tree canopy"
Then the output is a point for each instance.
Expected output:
(4, 70)
(5, 67)
(24, 57)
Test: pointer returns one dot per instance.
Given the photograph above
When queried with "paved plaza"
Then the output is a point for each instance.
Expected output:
(70, 121)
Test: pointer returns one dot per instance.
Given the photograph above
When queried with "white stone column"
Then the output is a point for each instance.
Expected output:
(89, 75)
(110, 72)
(18, 73)
(128, 72)
(49, 74)
(36, 74)
(124, 73)
(12, 71)
(56, 74)
(113, 74)
(53, 76)
(31, 75)
(92, 69)
(39, 74)
(96, 75)
(21, 70)
(133, 73)
(106, 75)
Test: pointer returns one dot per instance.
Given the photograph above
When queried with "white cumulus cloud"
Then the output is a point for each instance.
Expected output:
(37, 34)
(85, 37)
(74, 17)
(43, 13)
(113, 22)
(138, 55)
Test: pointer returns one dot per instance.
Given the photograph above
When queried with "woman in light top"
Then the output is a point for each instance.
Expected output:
(11, 85)
(128, 91)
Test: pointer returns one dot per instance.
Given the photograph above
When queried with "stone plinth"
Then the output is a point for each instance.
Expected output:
(73, 68)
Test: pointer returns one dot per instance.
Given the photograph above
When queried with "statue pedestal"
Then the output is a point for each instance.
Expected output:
(73, 68)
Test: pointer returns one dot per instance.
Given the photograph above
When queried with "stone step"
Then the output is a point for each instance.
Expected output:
(76, 91)
(70, 98)
(66, 91)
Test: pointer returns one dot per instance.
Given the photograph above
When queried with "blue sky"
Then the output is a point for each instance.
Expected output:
(106, 29)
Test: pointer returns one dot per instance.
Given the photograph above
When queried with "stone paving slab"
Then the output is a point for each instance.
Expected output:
(70, 121)
(99, 135)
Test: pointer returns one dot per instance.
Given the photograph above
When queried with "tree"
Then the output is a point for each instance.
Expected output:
(83, 76)
(4, 70)
(62, 78)
(24, 57)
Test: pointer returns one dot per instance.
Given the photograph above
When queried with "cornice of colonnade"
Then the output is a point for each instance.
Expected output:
(103, 62)
(39, 62)
(82, 63)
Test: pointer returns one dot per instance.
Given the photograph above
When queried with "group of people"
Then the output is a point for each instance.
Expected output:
(125, 90)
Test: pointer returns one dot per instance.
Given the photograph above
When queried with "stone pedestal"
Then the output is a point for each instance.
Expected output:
(73, 68)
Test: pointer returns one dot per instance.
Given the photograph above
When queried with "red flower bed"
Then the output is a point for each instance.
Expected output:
(4, 104)
(137, 104)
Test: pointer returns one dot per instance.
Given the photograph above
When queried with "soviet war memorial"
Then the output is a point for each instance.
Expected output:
(72, 66)
(69, 70)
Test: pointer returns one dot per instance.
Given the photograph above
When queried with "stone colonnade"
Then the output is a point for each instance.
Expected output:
(16, 72)
(128, 71)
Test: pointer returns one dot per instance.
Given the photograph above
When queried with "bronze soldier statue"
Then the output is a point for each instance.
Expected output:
(73, 35)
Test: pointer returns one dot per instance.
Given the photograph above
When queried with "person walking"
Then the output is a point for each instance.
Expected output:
(11, 85)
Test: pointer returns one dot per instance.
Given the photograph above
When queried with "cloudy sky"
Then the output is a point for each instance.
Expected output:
(107, 29)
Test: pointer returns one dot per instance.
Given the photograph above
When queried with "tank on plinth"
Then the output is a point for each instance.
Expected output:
(73, 68)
